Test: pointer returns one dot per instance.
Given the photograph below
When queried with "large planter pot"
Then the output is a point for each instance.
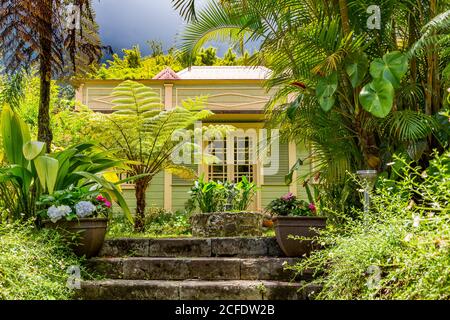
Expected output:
(227, 224)
(297, 226)
(85, 236)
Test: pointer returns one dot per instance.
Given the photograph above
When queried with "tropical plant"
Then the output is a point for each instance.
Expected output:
(397, 250)
(30, 172)
(12, 90)
(357, 96)
(290, 205)
(52, 34)
(246, 191)
(218, 196)
(142, 132)
(207, 196)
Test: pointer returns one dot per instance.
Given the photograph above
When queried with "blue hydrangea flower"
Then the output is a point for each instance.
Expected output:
(56, 213)
(84, 208)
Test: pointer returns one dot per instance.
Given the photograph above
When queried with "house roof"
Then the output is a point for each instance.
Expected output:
(167, 74)
(224, 73)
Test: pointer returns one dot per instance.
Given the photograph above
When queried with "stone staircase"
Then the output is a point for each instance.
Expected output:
(193, 269)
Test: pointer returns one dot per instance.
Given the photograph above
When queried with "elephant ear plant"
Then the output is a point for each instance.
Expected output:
(30, 172)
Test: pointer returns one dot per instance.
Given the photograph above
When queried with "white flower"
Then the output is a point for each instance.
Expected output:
(408, 237)
(416, 222)
(56, 213)
(84, 208)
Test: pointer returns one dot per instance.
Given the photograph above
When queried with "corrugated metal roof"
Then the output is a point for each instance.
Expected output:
(225, 73)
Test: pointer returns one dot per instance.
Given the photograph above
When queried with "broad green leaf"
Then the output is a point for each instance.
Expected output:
(23, 175)
(289, 177)
(357, 66)
(326, 87)
(377, 97)
(392, 67)
(47, 170)
(33, 149)
(15, 134)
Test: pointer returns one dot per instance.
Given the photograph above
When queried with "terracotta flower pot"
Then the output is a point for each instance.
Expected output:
(268, 223)
(85, 236)
(297, 226)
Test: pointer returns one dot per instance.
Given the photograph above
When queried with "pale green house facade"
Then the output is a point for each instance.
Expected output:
(237, 97)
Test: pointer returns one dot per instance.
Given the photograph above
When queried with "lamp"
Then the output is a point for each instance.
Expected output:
(368, 178)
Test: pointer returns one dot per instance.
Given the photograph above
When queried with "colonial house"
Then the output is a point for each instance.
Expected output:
(237, 97)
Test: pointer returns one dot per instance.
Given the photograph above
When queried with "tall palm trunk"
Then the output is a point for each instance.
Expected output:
(140, 192)
(45, 38)
(432, 90)
(343, 9)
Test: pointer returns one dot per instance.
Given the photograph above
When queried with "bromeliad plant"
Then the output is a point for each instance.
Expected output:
(30, 172)
(221, 196)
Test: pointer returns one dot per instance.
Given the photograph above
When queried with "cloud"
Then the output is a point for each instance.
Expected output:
(125, 23)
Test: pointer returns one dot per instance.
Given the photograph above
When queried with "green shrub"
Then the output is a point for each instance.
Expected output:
(399, 250)
(33, 264)
(212, 196)
(158, 223)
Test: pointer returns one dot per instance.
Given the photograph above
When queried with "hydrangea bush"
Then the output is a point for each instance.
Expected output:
(73, 203)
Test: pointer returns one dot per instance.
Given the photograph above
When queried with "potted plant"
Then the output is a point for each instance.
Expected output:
(223, 209)
(295, 217)
(80, 214)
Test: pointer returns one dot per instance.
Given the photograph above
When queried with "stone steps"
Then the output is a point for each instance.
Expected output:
(193, 269)
(193, 290)
(263, 268)
(192, 247)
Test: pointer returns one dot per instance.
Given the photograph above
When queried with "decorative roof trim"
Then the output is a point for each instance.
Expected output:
(167, 74)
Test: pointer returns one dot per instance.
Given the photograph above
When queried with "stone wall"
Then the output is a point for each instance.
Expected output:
(227, 224)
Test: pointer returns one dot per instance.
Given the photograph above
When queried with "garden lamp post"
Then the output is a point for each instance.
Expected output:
(368, 178)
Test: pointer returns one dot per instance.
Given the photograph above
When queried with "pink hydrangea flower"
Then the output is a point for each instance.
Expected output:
(312, 207)
(107, 204)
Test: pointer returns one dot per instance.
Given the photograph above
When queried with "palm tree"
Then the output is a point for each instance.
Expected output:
(45, 33)
(320, 53)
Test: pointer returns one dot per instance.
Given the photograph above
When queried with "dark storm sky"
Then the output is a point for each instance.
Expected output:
(124, 23)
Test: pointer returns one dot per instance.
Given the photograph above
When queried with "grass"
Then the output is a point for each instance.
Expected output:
(34, 264)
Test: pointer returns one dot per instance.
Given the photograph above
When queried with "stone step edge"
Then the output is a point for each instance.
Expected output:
(206, 268)
(195, 290)
(191, 247)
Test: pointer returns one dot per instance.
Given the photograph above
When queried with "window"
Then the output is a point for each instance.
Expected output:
(243, 162)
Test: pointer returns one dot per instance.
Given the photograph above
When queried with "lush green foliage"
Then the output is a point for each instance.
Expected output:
(30, 172)
(34, 264)
(157, 223)
(221, 196)
(357, 96)
(400, 249)
(133, 66)
(290, 205)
